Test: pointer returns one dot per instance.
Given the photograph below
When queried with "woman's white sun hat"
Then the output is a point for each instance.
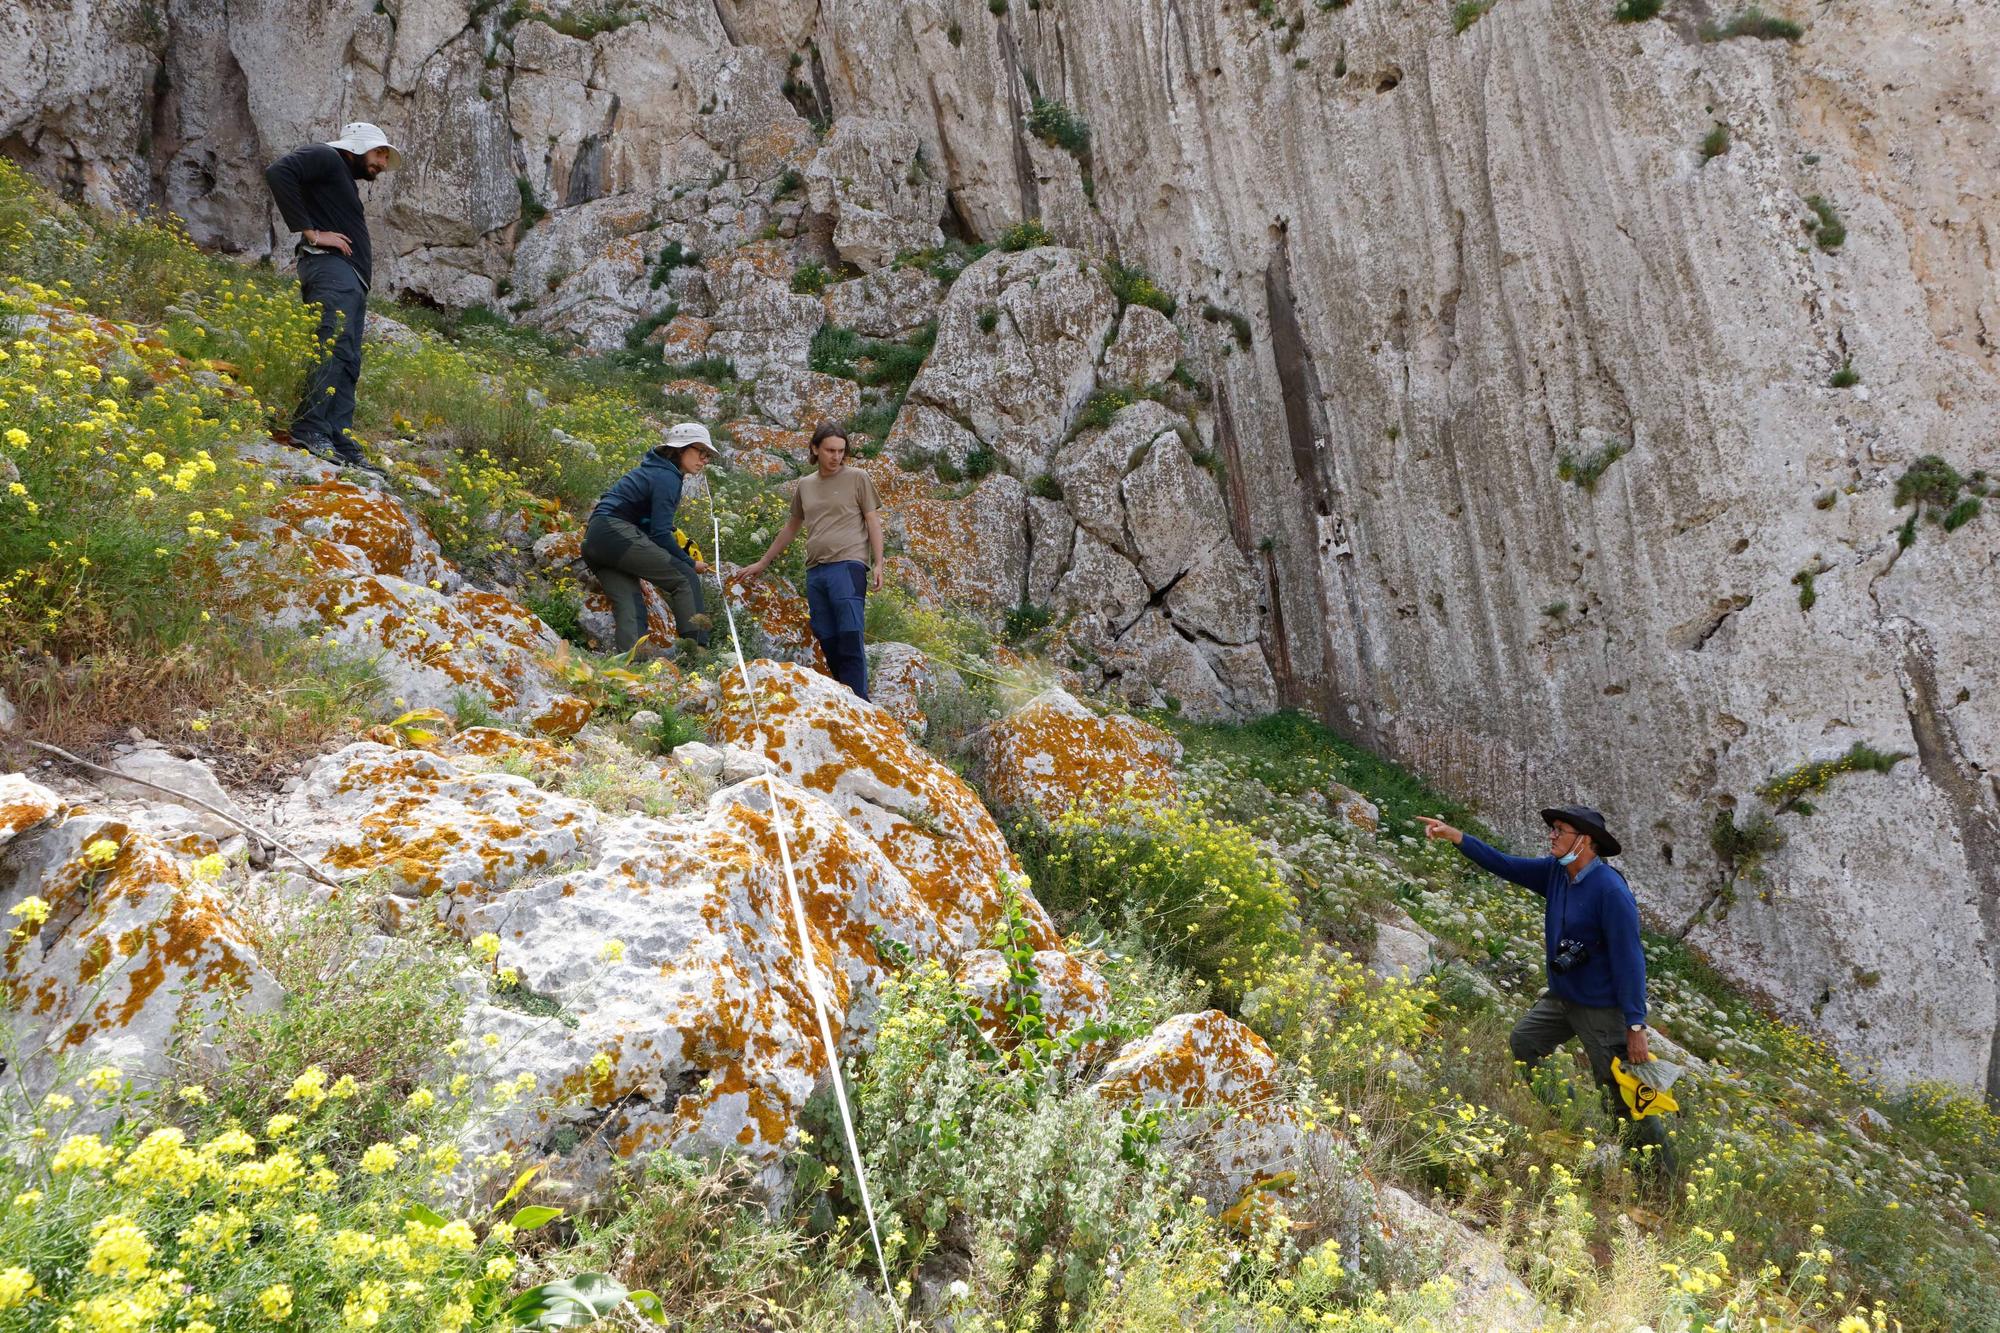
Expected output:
(358, 136)
(690, 433)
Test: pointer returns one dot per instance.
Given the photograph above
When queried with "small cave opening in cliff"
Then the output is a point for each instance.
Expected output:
(1387, 80)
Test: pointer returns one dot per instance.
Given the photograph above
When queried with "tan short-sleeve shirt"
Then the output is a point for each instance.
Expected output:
(832, 509)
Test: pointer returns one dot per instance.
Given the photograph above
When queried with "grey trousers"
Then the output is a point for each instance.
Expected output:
(1551, 1021)
(620, 554)
(328, 409)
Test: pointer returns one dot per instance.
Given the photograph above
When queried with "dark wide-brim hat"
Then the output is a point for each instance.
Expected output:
(1585, 820)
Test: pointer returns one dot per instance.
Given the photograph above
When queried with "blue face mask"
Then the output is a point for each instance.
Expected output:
(1567, 859)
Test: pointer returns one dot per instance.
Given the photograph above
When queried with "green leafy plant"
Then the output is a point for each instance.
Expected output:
(1053, 123)
(1753, 22)
(1636, 11)
(811, 278)
(1846, 377)
(672, 256)
(1025, 621)
(1468, 12)
(717, 370)
(1132, 285)
(1715, 143)
(1046, 487)
(532, 208)
(989, 319)
(1588, 468)
(1028, 235)
(1804, 581)
(1787, 792)
(1830, 231)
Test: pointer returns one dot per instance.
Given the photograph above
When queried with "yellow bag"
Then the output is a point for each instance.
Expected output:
(1644, 1098)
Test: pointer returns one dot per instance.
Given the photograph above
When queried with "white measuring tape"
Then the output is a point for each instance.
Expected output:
(813, 985)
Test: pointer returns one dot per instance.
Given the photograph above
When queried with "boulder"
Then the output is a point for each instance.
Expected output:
(1352, 807)
(358, 569)
(887, 787)
(1145, 351)
(1054, 752)
(149, 762)
(1018, 386)
(700, 760)
(802, 399)
(892, 303)
(1403, 949)
(971, 547)
(131, 946)
(1214, 1082)
(1488, 1295)
(884, 197)
(902, 677)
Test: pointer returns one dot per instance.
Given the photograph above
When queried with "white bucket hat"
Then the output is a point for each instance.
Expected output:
(358, 136)
(689, 433)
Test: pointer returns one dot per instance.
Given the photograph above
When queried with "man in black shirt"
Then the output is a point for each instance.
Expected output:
(314, 187)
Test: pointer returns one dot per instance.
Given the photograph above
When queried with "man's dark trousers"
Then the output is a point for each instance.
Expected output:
(333, 283)
(837, 605)
(1552, 1021)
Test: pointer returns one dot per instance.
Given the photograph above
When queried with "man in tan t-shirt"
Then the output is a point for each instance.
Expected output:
(842, 516)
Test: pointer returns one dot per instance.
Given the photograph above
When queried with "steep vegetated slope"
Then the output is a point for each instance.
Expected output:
(501, 989)
(1603, 391)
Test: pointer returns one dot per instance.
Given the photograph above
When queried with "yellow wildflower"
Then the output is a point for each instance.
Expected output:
(275, 1301)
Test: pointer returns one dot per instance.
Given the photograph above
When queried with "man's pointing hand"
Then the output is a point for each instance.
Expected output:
(1437, 828)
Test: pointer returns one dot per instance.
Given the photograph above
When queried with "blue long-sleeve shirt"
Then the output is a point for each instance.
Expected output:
(648, 497)
(1598, 909)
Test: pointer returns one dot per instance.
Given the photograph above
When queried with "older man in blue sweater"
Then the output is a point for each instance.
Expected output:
(1590, 939)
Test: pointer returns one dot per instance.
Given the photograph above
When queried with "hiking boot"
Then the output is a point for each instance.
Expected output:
(319, 447)
(351, 456)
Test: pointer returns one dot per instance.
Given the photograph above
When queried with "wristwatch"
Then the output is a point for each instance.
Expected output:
(1637, 1027)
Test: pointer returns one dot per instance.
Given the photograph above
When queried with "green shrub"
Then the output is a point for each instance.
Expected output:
(642, 329)
(1830, 231)
(717, 370)
(1753, 22)
(1025, 621)
(1636, 11)
(1101, 409)
(981, 462)
(1132, 285)
(811, 278)
(1197, 888)
(1027, 235)
(1846, 377)
(1715, 143)
(1045, 487)
(562, 611)
(1053, 123)
(989, 319)
(1238, 324)
(1788, 790)
(673, 256)
(381, 1018)
(532, 208)
(1587, 469)
(1803, 580)
(1468, 12)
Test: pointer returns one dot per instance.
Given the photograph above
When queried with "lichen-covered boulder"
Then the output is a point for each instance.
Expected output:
(1019, 383)
(125, 944)
(1145, 351)
(893, 791)
(428, 826)
(871, 177)
(1054, 752)
(779, 610)
(901, 677)
(891, 303)
(759, 322)
(1215, 1083)
(803, 399)
(371, 579)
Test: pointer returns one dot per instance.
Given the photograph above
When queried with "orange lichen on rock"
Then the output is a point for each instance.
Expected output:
(128, 950)
(780, 611)
(1054, 752)
(923, 816)
(388, 537)
(23, 804)
(1217, 1082)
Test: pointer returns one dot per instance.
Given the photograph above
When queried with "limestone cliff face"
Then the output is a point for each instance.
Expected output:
(1457, 261)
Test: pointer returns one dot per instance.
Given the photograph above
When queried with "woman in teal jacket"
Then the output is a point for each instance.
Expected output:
(631, 537)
